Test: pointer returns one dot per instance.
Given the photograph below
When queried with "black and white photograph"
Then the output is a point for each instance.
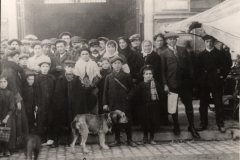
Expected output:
(120, 80)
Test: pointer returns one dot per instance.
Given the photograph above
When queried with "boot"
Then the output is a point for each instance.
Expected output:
(191, 127)
(151, 141)
(144, 140)
(176, 129)
(117, 141)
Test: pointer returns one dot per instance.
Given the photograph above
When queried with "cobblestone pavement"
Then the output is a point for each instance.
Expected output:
(160, 150)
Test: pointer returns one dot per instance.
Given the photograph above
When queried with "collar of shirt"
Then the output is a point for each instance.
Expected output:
(61, 55)
(209, 50)
(95, 55)
(172, 48)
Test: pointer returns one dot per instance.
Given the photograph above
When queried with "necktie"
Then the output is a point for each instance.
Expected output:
(175, 51)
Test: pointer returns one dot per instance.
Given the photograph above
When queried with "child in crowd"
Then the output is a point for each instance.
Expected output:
(118, 91)
(69, 97)
(7, 118)
(149, 94)
(23, 60)
(29, 100)
(44, 87)
(105, 70)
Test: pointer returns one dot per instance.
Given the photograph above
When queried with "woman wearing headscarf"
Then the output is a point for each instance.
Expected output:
(88, 72)
(159, 43)
(112, 51)
(125, 49)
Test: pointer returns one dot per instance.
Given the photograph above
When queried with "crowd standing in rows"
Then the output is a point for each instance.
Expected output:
(45, 84)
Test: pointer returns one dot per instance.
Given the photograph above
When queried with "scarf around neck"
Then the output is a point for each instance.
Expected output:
(145, 53)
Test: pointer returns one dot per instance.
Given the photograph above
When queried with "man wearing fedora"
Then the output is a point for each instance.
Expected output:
(177, 78)
(212, 69)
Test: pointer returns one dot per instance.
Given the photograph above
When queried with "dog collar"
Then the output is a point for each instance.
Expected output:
(109, 120)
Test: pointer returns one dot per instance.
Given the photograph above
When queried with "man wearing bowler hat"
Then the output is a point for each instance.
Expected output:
(212, 70)
(177, 78)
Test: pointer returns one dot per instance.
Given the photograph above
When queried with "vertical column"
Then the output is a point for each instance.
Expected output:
(12, 18)
(148, 19)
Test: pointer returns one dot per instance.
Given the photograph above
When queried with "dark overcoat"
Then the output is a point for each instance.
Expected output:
(69, 97)
(176, 70)
(60, 62)
(115, 96)
(7, 107)
(44, 87)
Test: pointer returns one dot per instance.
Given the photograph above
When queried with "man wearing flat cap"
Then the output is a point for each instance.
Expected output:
(136, 42)
(94, 48)
(23, 61)
(102, 44)
(61, 56)
(212, 69)
(84, 43)
(177, 78)
(46, 43)
(76, 43)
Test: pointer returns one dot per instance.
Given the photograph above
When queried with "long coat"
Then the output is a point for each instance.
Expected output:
(7, 107)
(115, 96)
(152, 59)
(176, 71)
(60, 62)
(44, 87)
(69, 97)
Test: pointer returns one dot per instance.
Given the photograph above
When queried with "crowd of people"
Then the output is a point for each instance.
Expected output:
(45, 84)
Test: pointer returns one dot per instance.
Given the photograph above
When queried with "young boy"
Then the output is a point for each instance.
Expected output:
(105, 70)
(69, 97)
(7, 107)
(44, 87)
(29, 100)
(118, 90)
(23, 60)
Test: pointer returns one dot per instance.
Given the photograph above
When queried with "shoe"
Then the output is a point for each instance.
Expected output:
(193, 131)
(152, 142)
(143, 141)
(131, 143)
(201, 128)
(176, 130)
(115, 143)
(222, 129)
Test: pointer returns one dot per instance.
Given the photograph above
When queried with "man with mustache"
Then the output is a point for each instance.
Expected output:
(94, 48)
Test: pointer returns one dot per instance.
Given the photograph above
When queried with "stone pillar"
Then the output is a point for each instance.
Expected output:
(148, 19)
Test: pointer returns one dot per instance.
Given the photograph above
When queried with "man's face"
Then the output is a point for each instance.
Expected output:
(83, 44)
(4, 45)
(95, 49)
(23, 61)
(37, 50)
(117, 65)
(172, 41)
(159, 42)
(3, 83)
(16, 58)
(15, 44)
(44, 68)
(46, 49)
(30, 80)
(69, 69)
(76, 44)
(66, 38)
(209, 43)
(136, 43)
(61, 48)
(102, 45)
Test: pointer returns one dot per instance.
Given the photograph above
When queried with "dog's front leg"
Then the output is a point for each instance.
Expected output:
(102, 141)
(75, 137)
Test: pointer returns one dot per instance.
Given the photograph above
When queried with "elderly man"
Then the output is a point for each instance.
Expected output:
(177, 78)
(136, 42)
(94, 48)
(212, 69)
(102, 43)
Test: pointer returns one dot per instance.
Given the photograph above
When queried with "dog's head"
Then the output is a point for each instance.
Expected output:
(118, 117)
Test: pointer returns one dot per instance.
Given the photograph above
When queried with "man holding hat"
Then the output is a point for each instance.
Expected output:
(102, 43)
(177, 78)
(94, 48)
(136, 42)
(212, 70)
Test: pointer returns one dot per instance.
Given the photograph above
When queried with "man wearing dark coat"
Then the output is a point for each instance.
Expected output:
(212, 69)
(94, 48)
(176, 74)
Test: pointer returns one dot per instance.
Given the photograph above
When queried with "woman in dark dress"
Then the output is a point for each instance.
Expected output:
(159, 43)
(150, 94)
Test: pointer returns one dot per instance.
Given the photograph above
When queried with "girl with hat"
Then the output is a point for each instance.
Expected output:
(88, 72)
(118, 91)
(112, 51)
(149, 94)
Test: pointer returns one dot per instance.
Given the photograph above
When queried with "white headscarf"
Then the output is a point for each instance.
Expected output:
(145, 53)
(108, 54)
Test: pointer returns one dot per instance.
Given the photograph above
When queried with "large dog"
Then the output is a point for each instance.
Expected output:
(101, 124)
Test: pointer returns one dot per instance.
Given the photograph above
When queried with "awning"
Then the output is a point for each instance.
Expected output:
(221, 22)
